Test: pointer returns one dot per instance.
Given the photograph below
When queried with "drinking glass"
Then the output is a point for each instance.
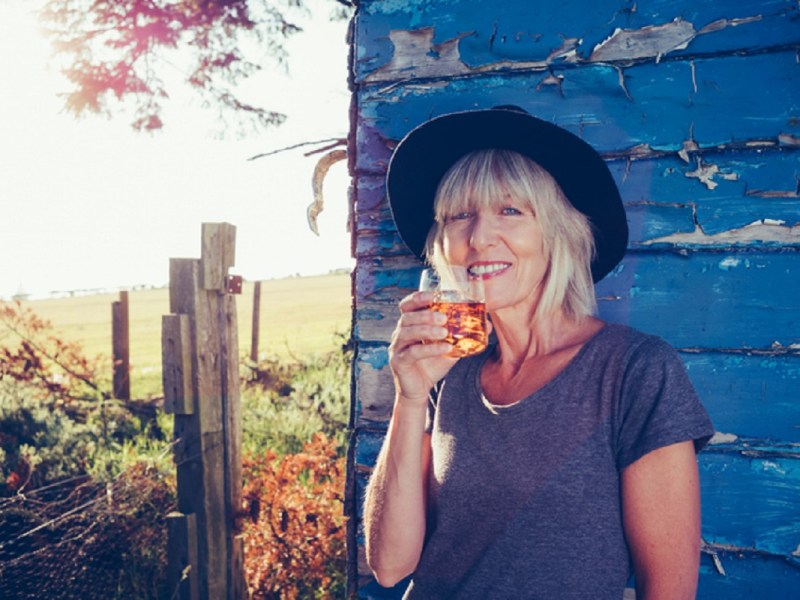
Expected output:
(460, 297)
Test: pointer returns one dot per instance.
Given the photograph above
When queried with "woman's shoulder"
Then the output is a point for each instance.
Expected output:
(630, 341)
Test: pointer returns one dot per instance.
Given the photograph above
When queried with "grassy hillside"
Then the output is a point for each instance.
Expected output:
(299, 316)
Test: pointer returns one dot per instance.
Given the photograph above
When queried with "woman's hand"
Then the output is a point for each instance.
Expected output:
(417, 366)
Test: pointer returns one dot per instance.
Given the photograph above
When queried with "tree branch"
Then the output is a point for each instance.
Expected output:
(336, 142)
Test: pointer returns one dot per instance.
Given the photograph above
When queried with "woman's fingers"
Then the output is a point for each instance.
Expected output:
(415, 331)
(416, 301)
(417, 351)
(417, 324)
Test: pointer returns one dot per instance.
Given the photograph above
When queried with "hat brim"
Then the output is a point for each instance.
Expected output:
(424, 155)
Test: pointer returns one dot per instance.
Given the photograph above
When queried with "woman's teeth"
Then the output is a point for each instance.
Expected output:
(487, 269)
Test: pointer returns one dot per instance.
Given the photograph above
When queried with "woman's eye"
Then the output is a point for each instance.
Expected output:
(459, 216)
(510, 210)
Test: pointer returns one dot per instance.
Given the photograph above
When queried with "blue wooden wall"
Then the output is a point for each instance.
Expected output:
(695, 104)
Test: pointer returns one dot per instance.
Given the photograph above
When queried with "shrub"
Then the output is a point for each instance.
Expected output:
(287, 403)
(57, 417)
(50, 368)
(295, 536)
(39, 444)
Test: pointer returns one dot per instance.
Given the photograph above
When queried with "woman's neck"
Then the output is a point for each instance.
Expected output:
(527, 358)
(520, 342)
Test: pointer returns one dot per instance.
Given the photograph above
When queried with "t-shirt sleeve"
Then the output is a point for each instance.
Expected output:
(659, 405)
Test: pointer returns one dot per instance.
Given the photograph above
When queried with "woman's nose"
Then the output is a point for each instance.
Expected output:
(483, 233)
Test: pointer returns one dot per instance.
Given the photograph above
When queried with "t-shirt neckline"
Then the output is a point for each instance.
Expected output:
(505, 408)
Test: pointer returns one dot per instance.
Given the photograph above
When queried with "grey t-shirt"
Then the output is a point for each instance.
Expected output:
(525, 499)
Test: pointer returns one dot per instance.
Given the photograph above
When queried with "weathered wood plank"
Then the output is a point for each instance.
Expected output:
(375, 321)
(720, 300)
(184, 280)
(749, 395)
(751, 494)
(645, 108)
(183, 568)
(656, 226)
(380, 279)
(402, 41)
(754, 174)
(751, 497)
(368, 446)
(176, 362)
(208, 361)
(374, 387)
(232, 455)
(747, 575)
(237, 587)
(255, 323)
(714, 191)
(218, 254)
(214, 549)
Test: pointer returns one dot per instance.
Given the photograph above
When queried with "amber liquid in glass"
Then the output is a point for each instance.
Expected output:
(466, 325)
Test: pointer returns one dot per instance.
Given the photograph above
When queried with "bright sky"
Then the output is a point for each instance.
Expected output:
(92, 204)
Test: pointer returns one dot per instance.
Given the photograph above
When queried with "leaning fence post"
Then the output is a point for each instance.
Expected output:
(201, 388)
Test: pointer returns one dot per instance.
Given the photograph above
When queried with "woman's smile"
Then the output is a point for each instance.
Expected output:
(487, 270)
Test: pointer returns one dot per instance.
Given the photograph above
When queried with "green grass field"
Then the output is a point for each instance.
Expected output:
(300, 316)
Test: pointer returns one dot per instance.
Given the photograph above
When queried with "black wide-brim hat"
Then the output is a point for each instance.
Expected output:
(423, 157)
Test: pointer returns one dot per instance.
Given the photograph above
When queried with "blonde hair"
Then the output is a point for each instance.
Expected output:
(483, 179)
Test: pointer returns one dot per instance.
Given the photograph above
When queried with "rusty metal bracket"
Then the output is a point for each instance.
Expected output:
(233, 284)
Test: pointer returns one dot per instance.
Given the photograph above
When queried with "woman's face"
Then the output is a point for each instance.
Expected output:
(503, 244)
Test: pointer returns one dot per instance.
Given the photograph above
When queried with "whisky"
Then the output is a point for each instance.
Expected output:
(466, 326)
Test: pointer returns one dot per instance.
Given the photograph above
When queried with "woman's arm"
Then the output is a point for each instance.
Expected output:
(396, 498)
(661, 516)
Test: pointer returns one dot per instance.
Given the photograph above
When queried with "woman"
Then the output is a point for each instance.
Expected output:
(563, 458)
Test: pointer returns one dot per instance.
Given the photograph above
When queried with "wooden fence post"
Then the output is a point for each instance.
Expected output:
(256, 323)
(201, 388)
(120, 347)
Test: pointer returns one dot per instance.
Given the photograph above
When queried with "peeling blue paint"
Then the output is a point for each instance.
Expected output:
(734, 483)
(748, 575)
(729, 262)
(532, 31)
(377, 358)
(700, 125)
(591, 102)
